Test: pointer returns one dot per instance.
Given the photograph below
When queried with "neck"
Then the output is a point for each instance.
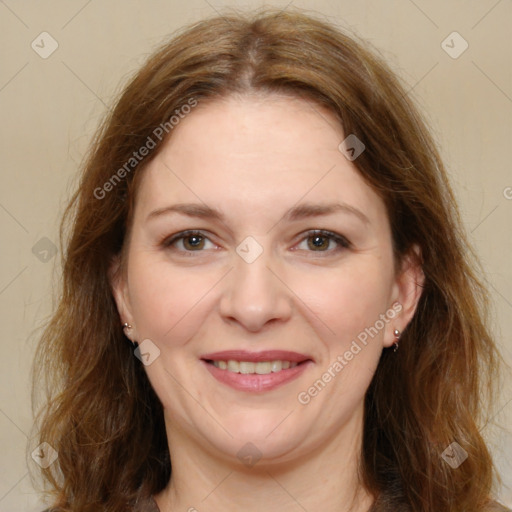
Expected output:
(325, 478)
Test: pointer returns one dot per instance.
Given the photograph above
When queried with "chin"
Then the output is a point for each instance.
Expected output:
(264, 441)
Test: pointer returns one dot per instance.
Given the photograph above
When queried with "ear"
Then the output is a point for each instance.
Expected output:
(119, 287)
(407, 291)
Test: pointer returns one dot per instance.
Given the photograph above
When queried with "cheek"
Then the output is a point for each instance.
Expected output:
(167, 302)
(348, 302)
(347, 299)
(170, 304)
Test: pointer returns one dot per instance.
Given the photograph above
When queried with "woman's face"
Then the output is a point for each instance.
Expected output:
(253, 178)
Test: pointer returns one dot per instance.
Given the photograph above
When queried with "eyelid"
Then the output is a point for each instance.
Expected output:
(169, 240)
(343, 242)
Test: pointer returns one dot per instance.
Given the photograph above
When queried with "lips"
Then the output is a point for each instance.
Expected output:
(265, 355)
(295, 365)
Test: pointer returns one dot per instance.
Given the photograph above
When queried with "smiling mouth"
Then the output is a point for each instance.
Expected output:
(258, 368)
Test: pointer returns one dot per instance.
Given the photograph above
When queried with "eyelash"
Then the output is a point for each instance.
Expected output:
(342, 242)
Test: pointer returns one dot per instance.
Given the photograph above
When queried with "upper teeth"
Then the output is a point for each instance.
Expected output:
(261, 367)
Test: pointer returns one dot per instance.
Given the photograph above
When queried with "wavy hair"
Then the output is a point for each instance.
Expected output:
(100, 412)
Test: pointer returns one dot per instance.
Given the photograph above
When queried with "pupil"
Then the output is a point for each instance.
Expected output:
(194, 241)
(319, 241)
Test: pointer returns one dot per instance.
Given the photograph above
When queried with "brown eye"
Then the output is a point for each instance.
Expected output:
(318, 242)
(188, 241)
(193, 242)
(324, 241)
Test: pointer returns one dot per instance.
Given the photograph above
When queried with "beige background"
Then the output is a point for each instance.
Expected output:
(51, 106)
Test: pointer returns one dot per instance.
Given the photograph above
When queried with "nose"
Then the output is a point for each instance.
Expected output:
(255, 295)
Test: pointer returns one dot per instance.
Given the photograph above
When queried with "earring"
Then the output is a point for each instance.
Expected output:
(397, 334)
(126, 325)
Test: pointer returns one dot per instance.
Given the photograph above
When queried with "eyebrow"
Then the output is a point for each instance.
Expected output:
(302, 211)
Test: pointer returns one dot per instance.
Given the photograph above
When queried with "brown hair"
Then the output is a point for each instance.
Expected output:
(101, 414)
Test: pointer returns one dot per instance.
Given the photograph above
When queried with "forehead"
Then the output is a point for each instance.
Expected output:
(255, 153)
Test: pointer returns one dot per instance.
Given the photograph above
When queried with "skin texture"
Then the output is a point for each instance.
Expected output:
(253, 158)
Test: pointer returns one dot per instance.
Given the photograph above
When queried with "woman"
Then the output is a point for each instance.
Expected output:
(266, 218)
